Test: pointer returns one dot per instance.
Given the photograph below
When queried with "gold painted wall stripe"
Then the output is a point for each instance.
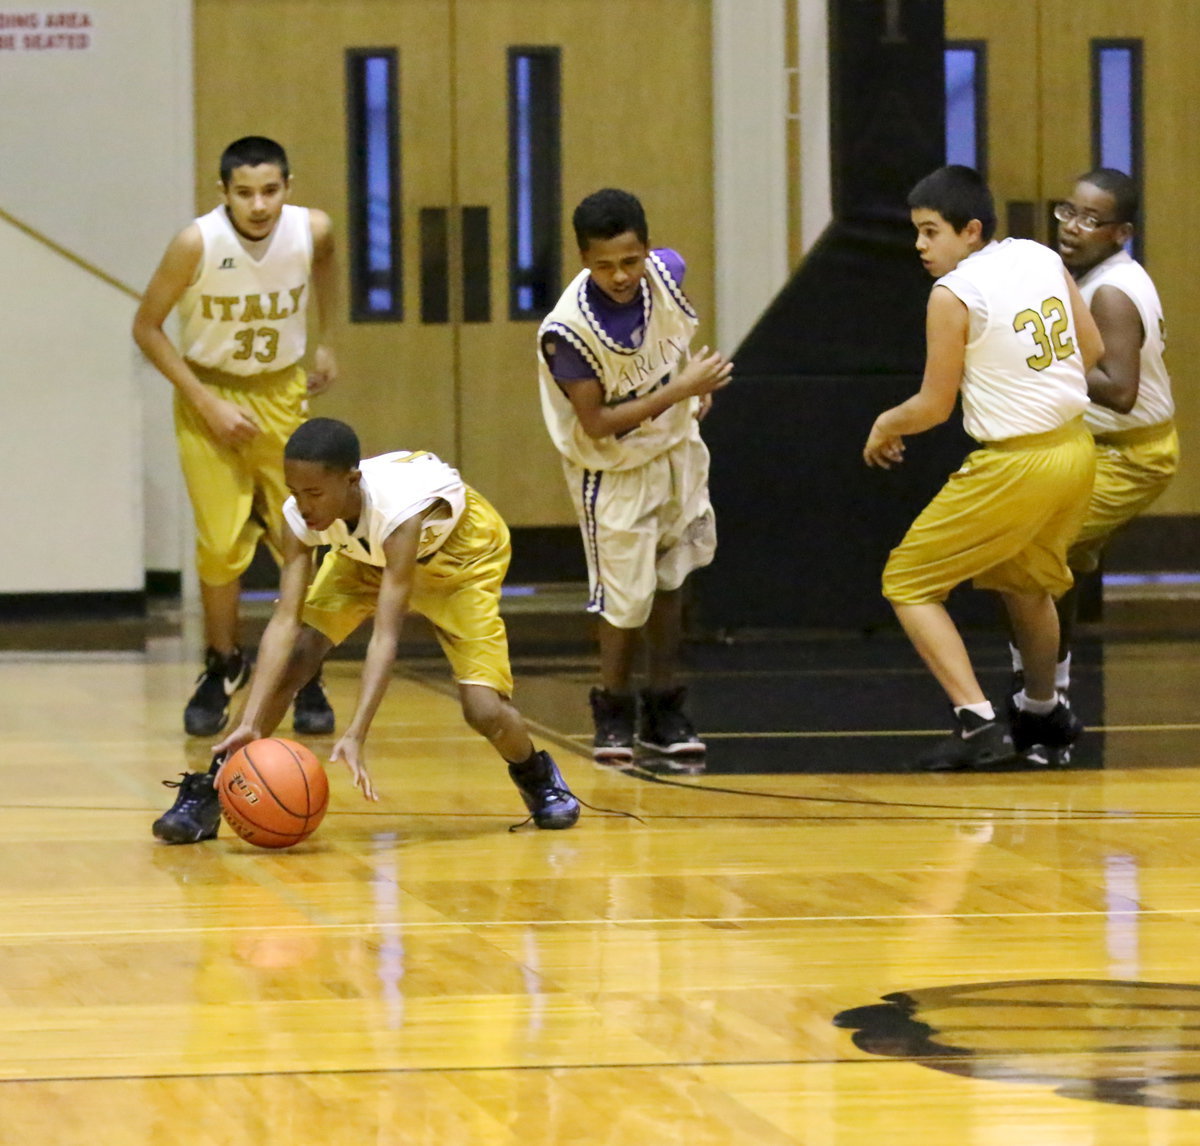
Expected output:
(69, 255)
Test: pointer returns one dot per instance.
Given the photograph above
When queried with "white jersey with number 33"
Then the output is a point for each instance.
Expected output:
(245, 315)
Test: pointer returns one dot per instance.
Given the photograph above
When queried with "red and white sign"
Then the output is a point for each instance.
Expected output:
(46, 30)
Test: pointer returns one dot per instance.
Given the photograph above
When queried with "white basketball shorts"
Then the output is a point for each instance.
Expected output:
(644, 529)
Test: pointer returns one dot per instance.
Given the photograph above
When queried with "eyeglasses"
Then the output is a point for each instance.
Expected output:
(1066, 213)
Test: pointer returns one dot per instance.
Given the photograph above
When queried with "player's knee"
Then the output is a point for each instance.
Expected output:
(218, 566)
(215, 569)
(484, 710)
(307, 654)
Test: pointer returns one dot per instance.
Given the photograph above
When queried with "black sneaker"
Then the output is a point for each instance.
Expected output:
(663, 728)
(974, 743)
(312, 714)
(613, 714)
(196, 813)
(1049, 757)
(1055, 730)
(545, 792)
(208, 710)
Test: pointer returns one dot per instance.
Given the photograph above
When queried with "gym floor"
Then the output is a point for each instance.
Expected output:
(802, 943)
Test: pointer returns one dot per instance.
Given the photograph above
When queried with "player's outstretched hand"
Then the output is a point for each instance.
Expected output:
(324, 372)
(349, 751)
(706, 372)
(230, 424)
(242, 735)
(883, 449)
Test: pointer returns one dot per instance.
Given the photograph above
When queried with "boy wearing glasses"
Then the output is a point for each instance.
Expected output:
(1131, 415)
(1005, 325)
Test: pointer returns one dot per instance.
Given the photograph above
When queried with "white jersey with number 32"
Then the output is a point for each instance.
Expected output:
(1023, 372)
(1155, 403)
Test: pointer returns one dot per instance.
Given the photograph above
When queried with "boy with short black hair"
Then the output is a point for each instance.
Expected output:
(1007, 327)
(240, 276)
(622, 400)
(404, 534)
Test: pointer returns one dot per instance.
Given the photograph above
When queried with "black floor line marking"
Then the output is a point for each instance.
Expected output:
(962, 809)
(1008, 813)
(681, 1064)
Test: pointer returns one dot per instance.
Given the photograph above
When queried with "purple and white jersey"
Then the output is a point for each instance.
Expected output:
(624, 322)
(631, 349)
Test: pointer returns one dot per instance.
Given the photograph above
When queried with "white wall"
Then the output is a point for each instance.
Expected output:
(754, 97)
(812, 107)
(98, 157)
(71, 466)
(749, 160)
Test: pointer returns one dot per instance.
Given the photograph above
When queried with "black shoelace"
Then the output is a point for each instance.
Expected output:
(591, 807)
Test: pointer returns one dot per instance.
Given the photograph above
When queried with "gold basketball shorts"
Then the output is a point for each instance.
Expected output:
(1003, 520)
(644, 529)
(237, 494)
(457, 589)
(1132, 468)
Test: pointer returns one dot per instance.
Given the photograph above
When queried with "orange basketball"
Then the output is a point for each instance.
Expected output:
(273, 792)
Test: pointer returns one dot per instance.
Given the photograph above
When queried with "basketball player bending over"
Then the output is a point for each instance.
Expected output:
(1005, 325)
(405, 533)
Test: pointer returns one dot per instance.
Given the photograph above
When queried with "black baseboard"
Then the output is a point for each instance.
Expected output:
(546, 553)
(65, 606)
(1167, 543)
(163, 582)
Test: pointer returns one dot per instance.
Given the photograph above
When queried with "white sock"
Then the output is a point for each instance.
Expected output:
(1062, 674)
(1018, 665)
(983, 709)
(1038, 707)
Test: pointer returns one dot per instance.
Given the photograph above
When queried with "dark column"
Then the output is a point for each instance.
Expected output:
(805, 526)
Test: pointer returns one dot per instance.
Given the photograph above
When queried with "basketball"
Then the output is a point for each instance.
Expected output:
(273, 792)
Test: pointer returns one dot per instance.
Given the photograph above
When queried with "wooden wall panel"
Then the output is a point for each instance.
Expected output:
(277, 68)
(637, 113)
(1013, 137)
(636, 100)
(1039, 106)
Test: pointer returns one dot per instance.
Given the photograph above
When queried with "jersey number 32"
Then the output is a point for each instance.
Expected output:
(1052, 343)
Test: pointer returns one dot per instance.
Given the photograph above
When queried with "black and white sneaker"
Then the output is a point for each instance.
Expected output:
(1045, 757)
(1052, 732)
(975, 743)
(208, 710)
(662, 726)
(312, 714)
(613, 715)
(196, 813)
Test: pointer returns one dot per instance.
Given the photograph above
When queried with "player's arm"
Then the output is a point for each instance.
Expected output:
(1113, 381)
(325, 292)
(278, 641)
(1087, 333)
(699, 376)
(946, 329)
(400, 554)
(229, 423)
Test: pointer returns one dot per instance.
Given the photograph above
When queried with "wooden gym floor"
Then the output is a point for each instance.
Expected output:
(803, 944)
